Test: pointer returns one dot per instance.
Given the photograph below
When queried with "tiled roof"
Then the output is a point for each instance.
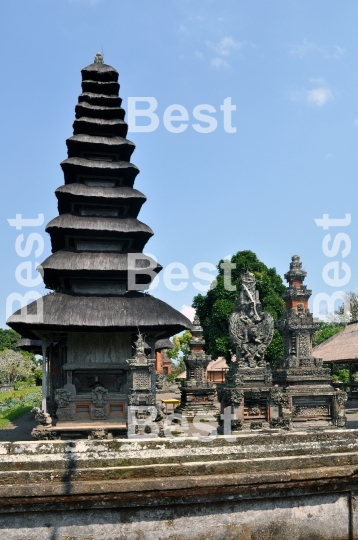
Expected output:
(341, 346)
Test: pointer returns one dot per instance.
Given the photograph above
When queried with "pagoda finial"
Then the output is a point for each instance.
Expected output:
(98, 59)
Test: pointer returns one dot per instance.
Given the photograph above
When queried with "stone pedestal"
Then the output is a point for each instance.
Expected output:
(197, 393)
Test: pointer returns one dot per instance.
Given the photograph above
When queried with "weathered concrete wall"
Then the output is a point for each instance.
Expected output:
(282, 486)
(319, 517)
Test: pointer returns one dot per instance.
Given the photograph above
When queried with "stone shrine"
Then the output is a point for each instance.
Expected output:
(248, 381)
(303, 395)
(197, 393)
(97, 273)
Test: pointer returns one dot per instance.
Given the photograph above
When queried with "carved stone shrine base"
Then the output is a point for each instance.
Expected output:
(197, 402)
(305, 399)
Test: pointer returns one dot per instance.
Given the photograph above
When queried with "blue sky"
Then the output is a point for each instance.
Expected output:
(289, 67)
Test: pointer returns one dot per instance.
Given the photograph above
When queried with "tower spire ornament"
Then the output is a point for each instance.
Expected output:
(304, 394)
(98, 59)
(197, 393)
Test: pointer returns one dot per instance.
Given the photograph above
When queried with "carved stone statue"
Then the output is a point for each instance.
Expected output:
(99, 396)
(250, 329)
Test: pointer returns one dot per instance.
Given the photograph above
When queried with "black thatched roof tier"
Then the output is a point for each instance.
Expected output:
(100, 126)
(131, 229)
(30, 345)
(64, 312)
(125, 196)
(75, 167)
(65, 264)
(163, 344)
(88, 143)
(98, 224)
(100, 99)
(98, 111)
(66, 260)
(98, 87)
(99, 72)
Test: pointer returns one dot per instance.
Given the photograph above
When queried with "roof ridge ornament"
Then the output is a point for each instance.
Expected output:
(99, 59)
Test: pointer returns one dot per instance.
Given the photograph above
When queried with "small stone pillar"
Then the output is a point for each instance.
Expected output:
(197, 393)
(142, 393)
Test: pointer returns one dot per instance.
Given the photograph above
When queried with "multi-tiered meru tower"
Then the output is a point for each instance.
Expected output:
(97, 271)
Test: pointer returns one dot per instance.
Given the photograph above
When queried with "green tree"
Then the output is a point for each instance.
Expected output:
(15, 366)
(326, 331)
(180, 349)
(350, 299)
(215, 307)
(8, 339)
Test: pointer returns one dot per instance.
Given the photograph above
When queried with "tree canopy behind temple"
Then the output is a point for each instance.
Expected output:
(215, 308)
(8, 339)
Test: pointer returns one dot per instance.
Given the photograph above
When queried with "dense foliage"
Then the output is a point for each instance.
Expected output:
(8, 339)
(181, 348)
(15, 366)
(214, 308)
(326, 331)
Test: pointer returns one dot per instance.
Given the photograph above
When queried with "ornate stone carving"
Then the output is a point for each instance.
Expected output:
(99, 413)
(255, 393)
(141, 399)
(62, 397)
(64, 413)
(268, 377)
(41, 433)
(197, 393)
(230, 396)
(310, 411)
(98, 59)
(278, 397)
(341, 398)
(283, 423)
(256, 425)
(250, 329)
(141, 379)
(98, 434)
(99, 396)
(41, 417)
(254, 410)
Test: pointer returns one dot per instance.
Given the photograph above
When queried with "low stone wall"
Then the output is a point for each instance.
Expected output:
(265, 486)
(7, 388)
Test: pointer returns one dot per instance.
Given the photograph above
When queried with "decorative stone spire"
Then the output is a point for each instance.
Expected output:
(197, 394)
(297, 325)
(303, 395)
(296, 293)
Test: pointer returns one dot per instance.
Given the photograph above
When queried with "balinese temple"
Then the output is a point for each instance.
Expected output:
(303, 392)
(163, 363)
(89, 322)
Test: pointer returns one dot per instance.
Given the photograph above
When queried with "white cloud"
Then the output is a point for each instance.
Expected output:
(305, 48)
(317, 96)
(356, 121)
(188, 312)
(219, 63)
(225, 46)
